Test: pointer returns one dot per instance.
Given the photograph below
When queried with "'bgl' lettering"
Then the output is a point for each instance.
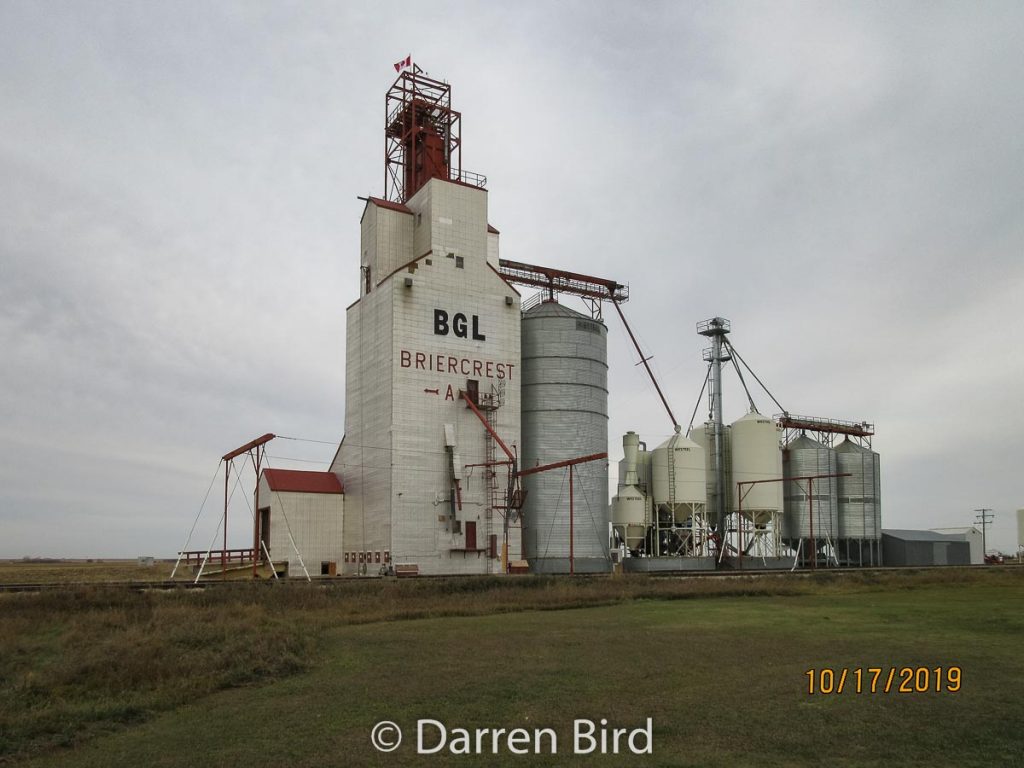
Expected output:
(460, 325)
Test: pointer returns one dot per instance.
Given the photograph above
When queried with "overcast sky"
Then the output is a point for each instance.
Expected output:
(179, 229)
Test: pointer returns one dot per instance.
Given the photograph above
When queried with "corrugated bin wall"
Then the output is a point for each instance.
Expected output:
(565, 416)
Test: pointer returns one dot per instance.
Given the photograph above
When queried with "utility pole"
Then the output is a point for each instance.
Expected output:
(984, 517)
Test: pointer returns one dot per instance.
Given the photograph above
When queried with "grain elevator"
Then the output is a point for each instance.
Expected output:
(434, 326)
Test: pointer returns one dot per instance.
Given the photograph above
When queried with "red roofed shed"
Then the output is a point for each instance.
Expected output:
(301, 520)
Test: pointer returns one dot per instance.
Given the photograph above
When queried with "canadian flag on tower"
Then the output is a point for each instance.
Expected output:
(406, 62)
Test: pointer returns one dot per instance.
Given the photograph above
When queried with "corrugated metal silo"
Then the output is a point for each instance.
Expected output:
(564, 416)
(805, 458)
(860, 495)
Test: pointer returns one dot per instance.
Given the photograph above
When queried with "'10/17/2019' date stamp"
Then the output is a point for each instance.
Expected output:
(884, 680)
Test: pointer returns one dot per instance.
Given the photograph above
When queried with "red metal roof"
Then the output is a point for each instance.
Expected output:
(388, 204)
(301, 481)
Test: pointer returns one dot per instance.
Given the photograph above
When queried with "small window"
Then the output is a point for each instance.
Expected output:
(376, 557)
(429, 262)
(325, 568)
(367, 279)
(460, 262)
(360, 557)
(346, 557)
(419, 219)
(387, 556)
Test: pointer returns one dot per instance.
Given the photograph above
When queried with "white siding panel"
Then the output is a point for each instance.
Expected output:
(315, 521)
(492, 249)
(393, 462)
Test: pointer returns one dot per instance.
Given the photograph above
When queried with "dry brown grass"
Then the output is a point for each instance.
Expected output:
(78, 571)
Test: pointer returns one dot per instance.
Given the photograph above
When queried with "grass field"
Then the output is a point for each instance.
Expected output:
(76, 571)
(298, 674)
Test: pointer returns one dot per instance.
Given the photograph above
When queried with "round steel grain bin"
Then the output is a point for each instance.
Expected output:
(860, 502)
(565, 416)
(805, 457)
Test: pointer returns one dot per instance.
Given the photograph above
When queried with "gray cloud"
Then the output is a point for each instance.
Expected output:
(179, 228)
